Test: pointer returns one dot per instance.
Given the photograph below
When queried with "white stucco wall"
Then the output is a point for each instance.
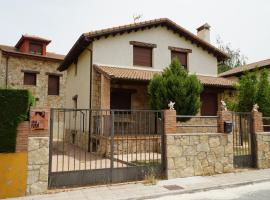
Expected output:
(117, 51)
(79, 84)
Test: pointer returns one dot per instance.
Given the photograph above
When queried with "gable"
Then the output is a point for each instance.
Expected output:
(117, 50)
(86, 38)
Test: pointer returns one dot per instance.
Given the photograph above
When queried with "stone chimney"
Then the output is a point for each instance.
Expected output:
(203, 32)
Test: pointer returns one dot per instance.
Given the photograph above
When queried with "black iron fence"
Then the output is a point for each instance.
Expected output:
(193, 124)
(266, 124)
(243, 140)
(104, 146)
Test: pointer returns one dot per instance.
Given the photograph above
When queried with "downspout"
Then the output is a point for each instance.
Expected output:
(90, 100)
(7, 58)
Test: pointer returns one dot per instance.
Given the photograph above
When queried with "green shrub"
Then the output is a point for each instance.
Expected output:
(14, 107)
(175, 84)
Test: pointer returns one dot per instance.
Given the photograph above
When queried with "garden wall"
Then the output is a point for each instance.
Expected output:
(199, 154)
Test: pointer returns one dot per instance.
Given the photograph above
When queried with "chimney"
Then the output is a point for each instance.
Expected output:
(203, 32)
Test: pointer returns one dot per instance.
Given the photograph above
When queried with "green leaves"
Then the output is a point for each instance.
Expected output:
(253, 88)
(174, 84)
(14, 107)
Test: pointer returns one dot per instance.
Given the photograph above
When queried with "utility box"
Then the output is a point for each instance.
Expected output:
(227, 127)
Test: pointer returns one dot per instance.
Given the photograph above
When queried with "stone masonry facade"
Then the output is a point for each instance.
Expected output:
(38, 159)
(199, 154)
(263, 150)
(40, 90)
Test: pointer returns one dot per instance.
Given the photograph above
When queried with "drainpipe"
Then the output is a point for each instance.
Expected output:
(7, 58)
(90, 99)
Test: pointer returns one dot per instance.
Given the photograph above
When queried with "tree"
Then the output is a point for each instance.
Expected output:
(175, 84)
(253, 88)
(247, 92)
(263, 94)
(236, 58)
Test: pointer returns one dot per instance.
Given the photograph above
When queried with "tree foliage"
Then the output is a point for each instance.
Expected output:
(175, 84)
(253, 88)
(236, 57)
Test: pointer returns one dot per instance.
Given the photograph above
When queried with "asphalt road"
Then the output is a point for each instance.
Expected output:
(258, 191)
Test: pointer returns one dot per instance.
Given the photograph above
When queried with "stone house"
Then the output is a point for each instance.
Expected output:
(111, 68)
(235, 73)
(28, 65)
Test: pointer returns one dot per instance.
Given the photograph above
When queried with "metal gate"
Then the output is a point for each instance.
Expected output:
(91, 147)
(243, 140)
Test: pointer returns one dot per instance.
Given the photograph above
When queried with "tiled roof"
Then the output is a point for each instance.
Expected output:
(14, 51)
(86, 38)
(244, 68)
(31, 37)
(147, 75)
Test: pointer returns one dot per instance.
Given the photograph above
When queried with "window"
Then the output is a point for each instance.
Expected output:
(35, 48)
(142, 56)
(30, 78)
(53, 85)
(120, 100)
(181, 57)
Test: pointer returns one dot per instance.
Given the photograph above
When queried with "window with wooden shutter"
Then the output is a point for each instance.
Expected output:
(53, 85)
(30, 78)
(181, 57)
(142, 56)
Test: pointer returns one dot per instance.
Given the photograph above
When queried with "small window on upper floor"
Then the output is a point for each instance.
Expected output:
(53, 85)
(181, 57)
(35, 48)
(29, 78)
(142, 53)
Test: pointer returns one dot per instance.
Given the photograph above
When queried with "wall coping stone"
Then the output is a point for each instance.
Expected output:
(191, 134)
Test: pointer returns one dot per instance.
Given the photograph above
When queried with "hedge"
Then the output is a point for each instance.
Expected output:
(14, 108)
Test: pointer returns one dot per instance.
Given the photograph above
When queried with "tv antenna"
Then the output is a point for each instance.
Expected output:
(137, 17)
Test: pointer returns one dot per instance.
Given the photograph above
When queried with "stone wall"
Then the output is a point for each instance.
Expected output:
(38, 160)
(263, 149)
(40, 90)
(199, 154)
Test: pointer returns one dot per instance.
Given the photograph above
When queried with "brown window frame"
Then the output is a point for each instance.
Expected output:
(27, 80)
(53, 91)
(31, 44)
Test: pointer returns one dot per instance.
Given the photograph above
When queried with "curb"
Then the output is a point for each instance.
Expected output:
(190, 191)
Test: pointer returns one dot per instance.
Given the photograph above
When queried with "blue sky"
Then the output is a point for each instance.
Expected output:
(244, 24)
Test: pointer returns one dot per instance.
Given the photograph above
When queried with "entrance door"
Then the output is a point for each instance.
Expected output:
(209, 104)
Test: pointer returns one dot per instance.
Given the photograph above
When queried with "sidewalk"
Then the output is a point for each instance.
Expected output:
(162, 188)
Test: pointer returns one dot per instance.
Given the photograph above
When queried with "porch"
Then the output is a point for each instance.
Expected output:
(122, 88)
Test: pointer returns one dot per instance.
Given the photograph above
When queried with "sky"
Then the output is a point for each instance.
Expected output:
(244, 24)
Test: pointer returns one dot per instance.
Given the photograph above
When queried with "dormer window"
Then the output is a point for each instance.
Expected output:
(35, 48)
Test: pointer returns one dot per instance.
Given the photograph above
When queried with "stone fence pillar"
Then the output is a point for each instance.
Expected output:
(38, 153)
(262, 141)
(223, 115)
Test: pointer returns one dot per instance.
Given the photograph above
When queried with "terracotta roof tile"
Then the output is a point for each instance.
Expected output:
(245, 68)
(147, 75)
(49, 55)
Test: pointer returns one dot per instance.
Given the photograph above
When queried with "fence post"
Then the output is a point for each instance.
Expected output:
(169, 121)
(223, 115)
(257, 121)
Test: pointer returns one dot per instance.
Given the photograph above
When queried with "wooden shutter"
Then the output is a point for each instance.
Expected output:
(29, 78)
(181, 56)
(142, 56)
(209, 104)
(53, 85)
